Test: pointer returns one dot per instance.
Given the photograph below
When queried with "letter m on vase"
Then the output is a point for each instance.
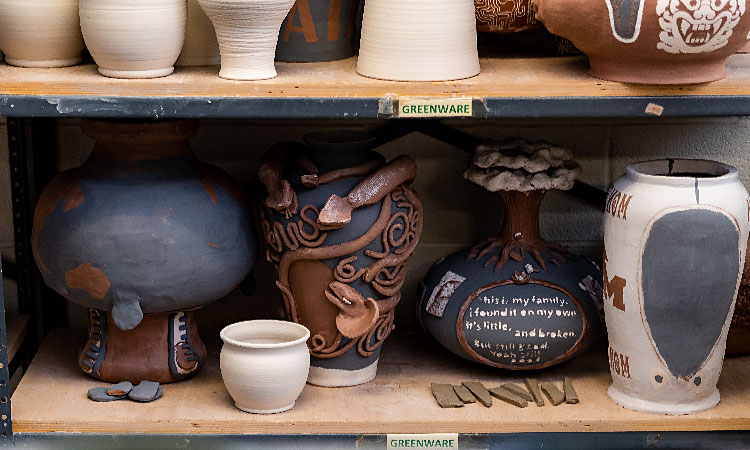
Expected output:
(625, 17)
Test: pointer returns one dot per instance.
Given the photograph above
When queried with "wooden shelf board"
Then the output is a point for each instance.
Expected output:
(16, 330)
(52, 398)
(500, 77)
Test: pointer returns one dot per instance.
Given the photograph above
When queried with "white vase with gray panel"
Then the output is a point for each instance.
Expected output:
(674, 235)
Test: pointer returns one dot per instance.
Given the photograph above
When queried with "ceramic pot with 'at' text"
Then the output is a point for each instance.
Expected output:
(651, 41)
(143, 234)
(675, 235)
(515, 301)
(340, 224)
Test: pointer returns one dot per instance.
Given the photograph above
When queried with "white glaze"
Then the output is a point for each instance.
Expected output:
(418, 40)
(264, 364)
(247, 31)
(42, 33)
(134, 39)
(200, 47)
(635, 202)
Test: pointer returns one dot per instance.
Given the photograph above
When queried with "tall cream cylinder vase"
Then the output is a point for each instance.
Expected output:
(40, 33)
(418, 40)
(247, 31)
(134, 38)
(675, 236)
(201, 47)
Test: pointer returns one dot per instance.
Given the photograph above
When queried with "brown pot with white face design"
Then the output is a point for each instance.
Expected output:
(651, 41)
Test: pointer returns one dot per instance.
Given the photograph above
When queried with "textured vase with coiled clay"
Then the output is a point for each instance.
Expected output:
(418, 40)
(134, 39)
(247, 31)
(40, 33)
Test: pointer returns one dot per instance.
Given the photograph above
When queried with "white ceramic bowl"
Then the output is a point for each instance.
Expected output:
(264, 364)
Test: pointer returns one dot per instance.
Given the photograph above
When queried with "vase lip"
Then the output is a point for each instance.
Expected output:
(681, 172)
(140, 131)
(292, 333)
(339, 139)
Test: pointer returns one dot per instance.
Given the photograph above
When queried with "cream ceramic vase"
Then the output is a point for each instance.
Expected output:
(264, 364)
(418, 40)
(42, 33)
(675, 235)
(247, 31)
(200, 47)
(134, 39)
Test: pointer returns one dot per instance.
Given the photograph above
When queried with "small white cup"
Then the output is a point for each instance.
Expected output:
(264, 364)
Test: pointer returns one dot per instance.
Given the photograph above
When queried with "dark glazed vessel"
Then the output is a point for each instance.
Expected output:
(143, 234)
(340, 224)
(320, 30)
(515, 301)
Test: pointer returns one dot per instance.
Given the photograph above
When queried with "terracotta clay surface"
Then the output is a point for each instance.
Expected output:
(675, 234)
(200, 47)
(418, 40)
(247, 32)
(42, 33)
(505, 16)
(134, 39)
(651, 41)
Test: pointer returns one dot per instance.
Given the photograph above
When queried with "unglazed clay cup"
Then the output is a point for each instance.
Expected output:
(264, 364)
(42, 33)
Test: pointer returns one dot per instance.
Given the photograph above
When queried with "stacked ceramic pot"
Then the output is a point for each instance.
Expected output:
(40, 33)
(320, 30)
(675, 236)
(143, 234)
(340, 224)
(134, 39)
(515, 301)
(651, 41)
(418, 40)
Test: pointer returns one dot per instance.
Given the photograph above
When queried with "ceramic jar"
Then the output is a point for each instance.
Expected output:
(134, 39)
(515, 301)
(340, 225)
(42, 33)
(264, 364)
(320, 30)
(247, 31)
(200, 47)
(143, 234)
(651, 41)
(418, 40)
(505, 16)
(675, 236)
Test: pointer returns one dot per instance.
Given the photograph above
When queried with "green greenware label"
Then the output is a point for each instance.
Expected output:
(440, 441)
(434, 107)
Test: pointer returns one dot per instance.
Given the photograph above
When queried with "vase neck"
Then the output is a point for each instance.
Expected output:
(338, 150)
(521, 220)
(124, 140)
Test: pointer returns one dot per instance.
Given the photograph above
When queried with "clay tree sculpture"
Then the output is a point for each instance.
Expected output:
(515, 301)
(143, 234)
(340, 224)
(651, 41)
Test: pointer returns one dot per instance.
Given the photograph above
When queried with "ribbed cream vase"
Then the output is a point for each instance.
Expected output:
(40, 33)
(418, 40)
(201, 47)
(264, 364)
(247, 31)
(134, 38)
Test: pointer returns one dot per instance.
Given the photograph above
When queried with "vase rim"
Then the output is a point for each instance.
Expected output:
(140, 130)
(681, 171)
(288, 333)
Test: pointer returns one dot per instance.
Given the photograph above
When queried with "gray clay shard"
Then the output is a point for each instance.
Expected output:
(121, 388)
(126, 311)
(99, 394)
(146, 391)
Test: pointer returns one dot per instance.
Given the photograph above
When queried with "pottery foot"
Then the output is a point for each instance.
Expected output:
(320, 376)
(65, 62)
(242, 74)
(265, 411)
(164, 347)
(155, 73)
(650, 72)
(652, 407)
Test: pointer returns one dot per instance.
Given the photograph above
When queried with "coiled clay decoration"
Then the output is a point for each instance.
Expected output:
(515, 301)
(340, 224)
(505, 16)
